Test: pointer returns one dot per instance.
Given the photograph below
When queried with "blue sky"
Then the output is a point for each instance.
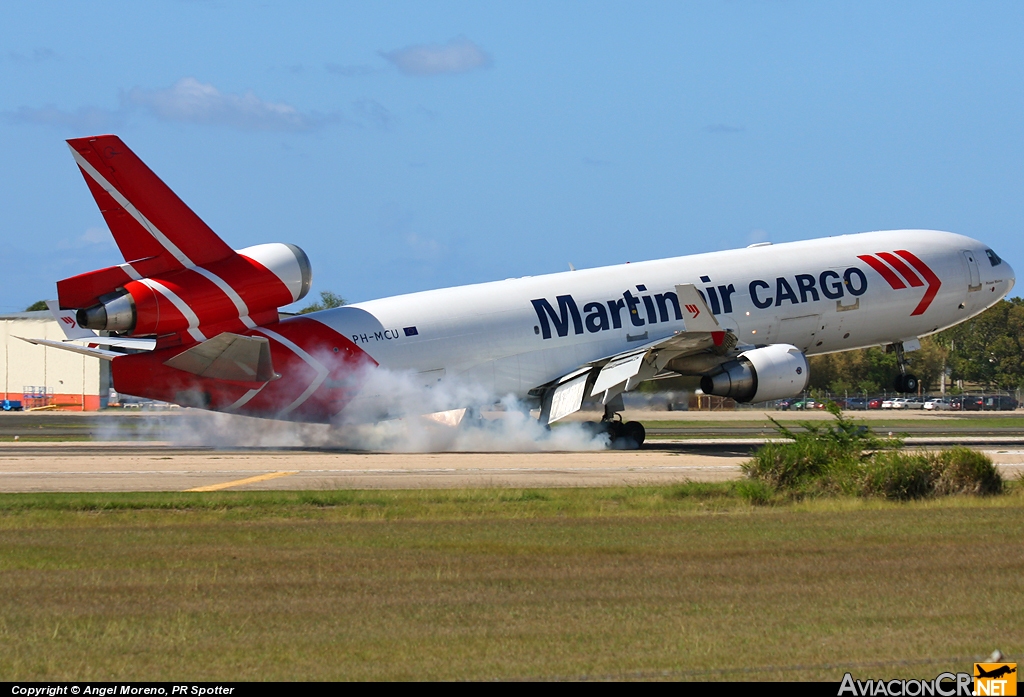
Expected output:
(408, 146)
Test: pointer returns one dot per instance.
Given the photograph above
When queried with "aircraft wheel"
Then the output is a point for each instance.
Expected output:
(909, 383)
(634, 430)
(906, 383)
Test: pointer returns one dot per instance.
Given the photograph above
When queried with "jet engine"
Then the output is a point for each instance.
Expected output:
(761, 374)
(250, 284)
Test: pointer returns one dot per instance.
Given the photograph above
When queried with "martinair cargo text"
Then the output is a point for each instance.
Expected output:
(743, 320)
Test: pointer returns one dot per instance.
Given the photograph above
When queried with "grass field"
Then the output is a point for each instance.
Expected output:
(673, 582)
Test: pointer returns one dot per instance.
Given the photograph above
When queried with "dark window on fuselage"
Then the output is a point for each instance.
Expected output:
(993, 258)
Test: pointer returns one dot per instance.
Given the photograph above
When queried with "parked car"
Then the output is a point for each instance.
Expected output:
(894, 403)
(875, 403)
(855, 403)
(937, 404)
(787, 404)
(10, 405)
(1000, 403)
(972, 403)
(914, 403)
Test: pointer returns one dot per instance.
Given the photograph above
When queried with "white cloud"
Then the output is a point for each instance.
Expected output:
(91, 119)
(95, 238)
(459, 55)
(191, 101)
(97, 235)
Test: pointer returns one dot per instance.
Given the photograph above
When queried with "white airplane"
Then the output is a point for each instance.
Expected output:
(743, 320)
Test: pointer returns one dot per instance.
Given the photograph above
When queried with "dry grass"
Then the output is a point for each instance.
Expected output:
(499, 584)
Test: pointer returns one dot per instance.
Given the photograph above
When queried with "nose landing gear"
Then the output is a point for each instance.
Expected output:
(905, 382)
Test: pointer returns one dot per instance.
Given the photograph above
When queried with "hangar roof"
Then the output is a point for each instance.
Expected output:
(42, 314)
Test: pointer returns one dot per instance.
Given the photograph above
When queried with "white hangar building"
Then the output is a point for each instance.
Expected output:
(41, 376)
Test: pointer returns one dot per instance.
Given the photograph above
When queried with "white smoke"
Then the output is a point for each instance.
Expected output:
(388, 415)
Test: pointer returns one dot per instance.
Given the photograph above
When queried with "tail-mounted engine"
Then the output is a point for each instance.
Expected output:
(242, 290)
(759, 375)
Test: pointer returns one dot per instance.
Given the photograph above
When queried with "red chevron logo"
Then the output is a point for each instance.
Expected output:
(693, 310)
(894, 269)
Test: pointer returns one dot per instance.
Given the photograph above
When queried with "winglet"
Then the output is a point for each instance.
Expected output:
(696, 315)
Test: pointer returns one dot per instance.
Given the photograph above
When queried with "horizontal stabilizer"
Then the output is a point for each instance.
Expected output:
(228, 356)
(74, 348)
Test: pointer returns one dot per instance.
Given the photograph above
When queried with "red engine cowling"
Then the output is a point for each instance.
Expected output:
(243, 290)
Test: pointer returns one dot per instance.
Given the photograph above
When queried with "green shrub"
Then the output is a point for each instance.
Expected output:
(966, 471)
(822, 459)
(845, 458)
(899, 476)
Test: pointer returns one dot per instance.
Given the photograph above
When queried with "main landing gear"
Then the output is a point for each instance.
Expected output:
(905, 382)
(628, 435)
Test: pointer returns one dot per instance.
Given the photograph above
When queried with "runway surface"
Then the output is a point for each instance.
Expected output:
(111, 467)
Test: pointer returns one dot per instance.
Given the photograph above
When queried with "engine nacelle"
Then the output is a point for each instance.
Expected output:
(250, 284)
(759, 375)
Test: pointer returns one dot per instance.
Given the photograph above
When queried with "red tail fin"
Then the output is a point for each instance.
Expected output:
(179, 282)
(154, 229)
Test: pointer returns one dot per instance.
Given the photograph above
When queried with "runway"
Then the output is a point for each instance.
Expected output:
(126, 467)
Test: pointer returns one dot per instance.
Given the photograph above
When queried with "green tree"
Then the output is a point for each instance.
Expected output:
(327, 300)
(874, 369)
(865, 370)
(989, 349)
(37, 306)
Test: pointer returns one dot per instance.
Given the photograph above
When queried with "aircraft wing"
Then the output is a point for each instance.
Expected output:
(622, 372)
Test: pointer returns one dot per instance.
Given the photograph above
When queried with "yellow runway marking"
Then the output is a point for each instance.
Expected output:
(240, 482)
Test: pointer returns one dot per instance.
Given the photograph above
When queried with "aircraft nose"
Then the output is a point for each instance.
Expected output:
(1011, 278)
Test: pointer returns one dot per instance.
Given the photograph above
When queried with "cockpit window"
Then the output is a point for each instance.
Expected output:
(993, 258)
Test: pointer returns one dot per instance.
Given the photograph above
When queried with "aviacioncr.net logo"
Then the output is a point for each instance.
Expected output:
(943, 685)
